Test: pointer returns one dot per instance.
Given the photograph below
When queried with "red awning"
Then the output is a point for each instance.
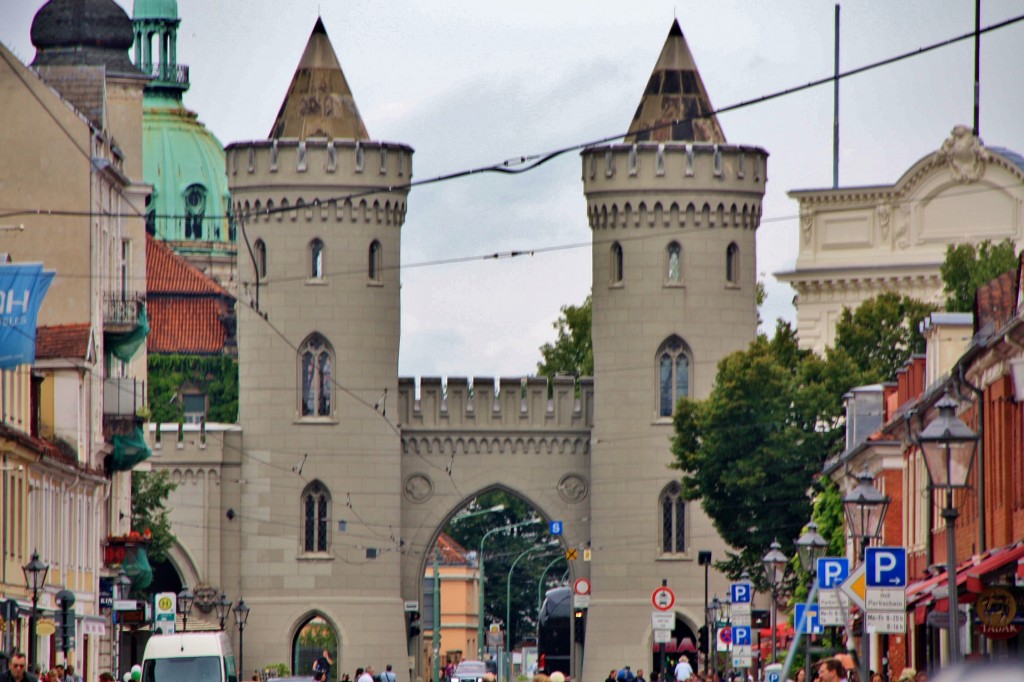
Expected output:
(995, 562)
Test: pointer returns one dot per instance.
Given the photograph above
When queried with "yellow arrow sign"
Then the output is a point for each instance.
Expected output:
(856, 587)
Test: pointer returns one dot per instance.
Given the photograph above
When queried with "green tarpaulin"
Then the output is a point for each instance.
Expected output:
(136, 565)
(123, 346)
(129, 450)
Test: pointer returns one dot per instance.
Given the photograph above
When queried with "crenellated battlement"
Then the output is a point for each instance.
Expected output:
(511, 404)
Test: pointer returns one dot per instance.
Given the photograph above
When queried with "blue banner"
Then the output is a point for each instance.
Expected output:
(22, 289)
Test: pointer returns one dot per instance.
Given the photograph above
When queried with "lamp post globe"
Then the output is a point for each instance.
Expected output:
(223, 607)
(810, 547)
(185, 601)
(241, 612)
(774, 569)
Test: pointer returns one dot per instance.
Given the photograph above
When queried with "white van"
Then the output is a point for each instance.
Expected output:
(192, 656)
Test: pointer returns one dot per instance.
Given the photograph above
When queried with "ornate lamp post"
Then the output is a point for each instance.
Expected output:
(185, 601)
(35, 578)
(810, 547)
(711, 614)
(241, 616)
(223, 607)
(948, 445)
(508, 605)
(774, 569)
(865, 508)
(480, 560)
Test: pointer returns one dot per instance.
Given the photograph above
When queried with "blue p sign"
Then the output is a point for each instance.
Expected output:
(886, 567)
(741, 635)
(741, 593)
(832, 572)
(774, 676)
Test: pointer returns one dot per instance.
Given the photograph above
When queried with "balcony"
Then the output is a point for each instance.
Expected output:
(122, 397)
(121, 312)
(176, 74)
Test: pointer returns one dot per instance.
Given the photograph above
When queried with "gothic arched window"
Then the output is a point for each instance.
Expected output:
(673, 520)
(316, 253)
(195, 210)
(732, 264)
(260, 250)
(316, 517)
(315, 365)
(675, 266)
(616, 263)
(373, 271)
(673, 374)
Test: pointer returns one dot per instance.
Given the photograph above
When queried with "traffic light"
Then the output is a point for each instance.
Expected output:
(702, 638)
(760, 618)
(414, 623)
(579, 623)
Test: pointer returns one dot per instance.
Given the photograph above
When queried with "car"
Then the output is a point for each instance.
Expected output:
(470, 671)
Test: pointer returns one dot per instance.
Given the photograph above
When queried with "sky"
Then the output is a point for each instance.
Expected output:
(469, 83)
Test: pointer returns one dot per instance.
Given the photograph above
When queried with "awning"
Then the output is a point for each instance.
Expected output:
(921, 595)
(993, 564)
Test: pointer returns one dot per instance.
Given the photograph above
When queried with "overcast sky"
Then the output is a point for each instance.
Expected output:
(471, 82)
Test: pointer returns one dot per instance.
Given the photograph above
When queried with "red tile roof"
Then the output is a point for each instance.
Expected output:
(169, 273)
(185, 325)
(62, 341)
(452, 553)
(186, 308)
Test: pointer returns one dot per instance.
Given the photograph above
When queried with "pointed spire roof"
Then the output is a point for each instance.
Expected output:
(319, 102)
(675, 92)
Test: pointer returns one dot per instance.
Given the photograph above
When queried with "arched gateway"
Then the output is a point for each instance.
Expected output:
(340, 475)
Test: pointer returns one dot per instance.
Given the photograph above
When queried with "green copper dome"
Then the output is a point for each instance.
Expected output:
(155, 9)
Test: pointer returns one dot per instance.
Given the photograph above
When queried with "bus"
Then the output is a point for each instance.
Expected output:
(553, 631)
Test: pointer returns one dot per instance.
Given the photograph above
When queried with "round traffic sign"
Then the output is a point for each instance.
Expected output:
(581, 586)
(725, 636)
(663, 599)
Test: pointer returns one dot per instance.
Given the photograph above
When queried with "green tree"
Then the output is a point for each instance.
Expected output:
(882, 333)
(214, 376)
(150, 490)
(572, 352)
(750, 451)
(967, 267)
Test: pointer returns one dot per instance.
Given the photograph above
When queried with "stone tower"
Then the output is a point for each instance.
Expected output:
(673, 212)
(319, 328)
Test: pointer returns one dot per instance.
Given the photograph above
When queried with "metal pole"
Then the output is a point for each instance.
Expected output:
(950, 514)
(241, 647)
(713, 646)
(707, 627)
(835, 111)
(435, 636)
(32, 629)
(775, 597)
(977, 66)
(865, 638)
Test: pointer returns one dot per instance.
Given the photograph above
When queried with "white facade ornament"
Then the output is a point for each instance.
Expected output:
(884, 213)
(902, 229)
(806, 221)
(965, 154)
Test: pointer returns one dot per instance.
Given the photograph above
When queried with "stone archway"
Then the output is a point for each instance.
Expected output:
(313, 633)
(683, 643)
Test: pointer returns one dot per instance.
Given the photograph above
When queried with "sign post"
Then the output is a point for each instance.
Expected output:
(886, 589)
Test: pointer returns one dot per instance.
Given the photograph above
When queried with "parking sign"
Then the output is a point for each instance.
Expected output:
(742, 636)
(886, 566)
(832, 572)
(741, 593)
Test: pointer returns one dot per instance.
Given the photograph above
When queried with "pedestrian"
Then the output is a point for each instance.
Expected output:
(625, 675)
(365, 675)
(640, 675)
(370, 675)
(388, 675)
(684, 672)
(106, 677)
(611, 676)
(921, 676)
(831, 670)
(322, 666)
(17, 671)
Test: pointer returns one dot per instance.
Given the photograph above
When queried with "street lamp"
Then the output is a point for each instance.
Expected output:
(508, 604)
(223, 607)
(865, 508)
(185, 601)
(711, 614)
(774, 569)
(241, 615)
(948, 446)
(122, 588)
(35, 578)
(810, 547)
(540, 583)
(480, 558)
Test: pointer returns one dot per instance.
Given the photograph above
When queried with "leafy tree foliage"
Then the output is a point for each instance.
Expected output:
(966, 267)
(572, 352)
(749, 452)
(214, 376)
(882, 334)
(500, 552)
(150, 490)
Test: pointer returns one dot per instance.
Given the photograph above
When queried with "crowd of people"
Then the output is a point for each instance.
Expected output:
(18, 671)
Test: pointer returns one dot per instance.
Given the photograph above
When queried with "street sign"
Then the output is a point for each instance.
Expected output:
(855, 587)
(886, 567)
(742, 636)
(724, 638)
(807, 616)
(890, 622)
(581, 601)
(663, 598)
(742, 619)
(555, 528)
(773, 672)
(662, 636)
(663, 620)
(411, 606)
(572, 554)
(741, 593)
(126, 605)
(587, 554)
(581, 586)
(165, 604)
(742, 661)
(832, 572)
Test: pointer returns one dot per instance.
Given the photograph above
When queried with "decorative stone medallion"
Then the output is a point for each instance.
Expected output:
(573, 488)
(418, 488)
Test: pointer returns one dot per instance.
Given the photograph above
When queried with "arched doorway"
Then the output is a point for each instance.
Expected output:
(683, 642)
(311, 638)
